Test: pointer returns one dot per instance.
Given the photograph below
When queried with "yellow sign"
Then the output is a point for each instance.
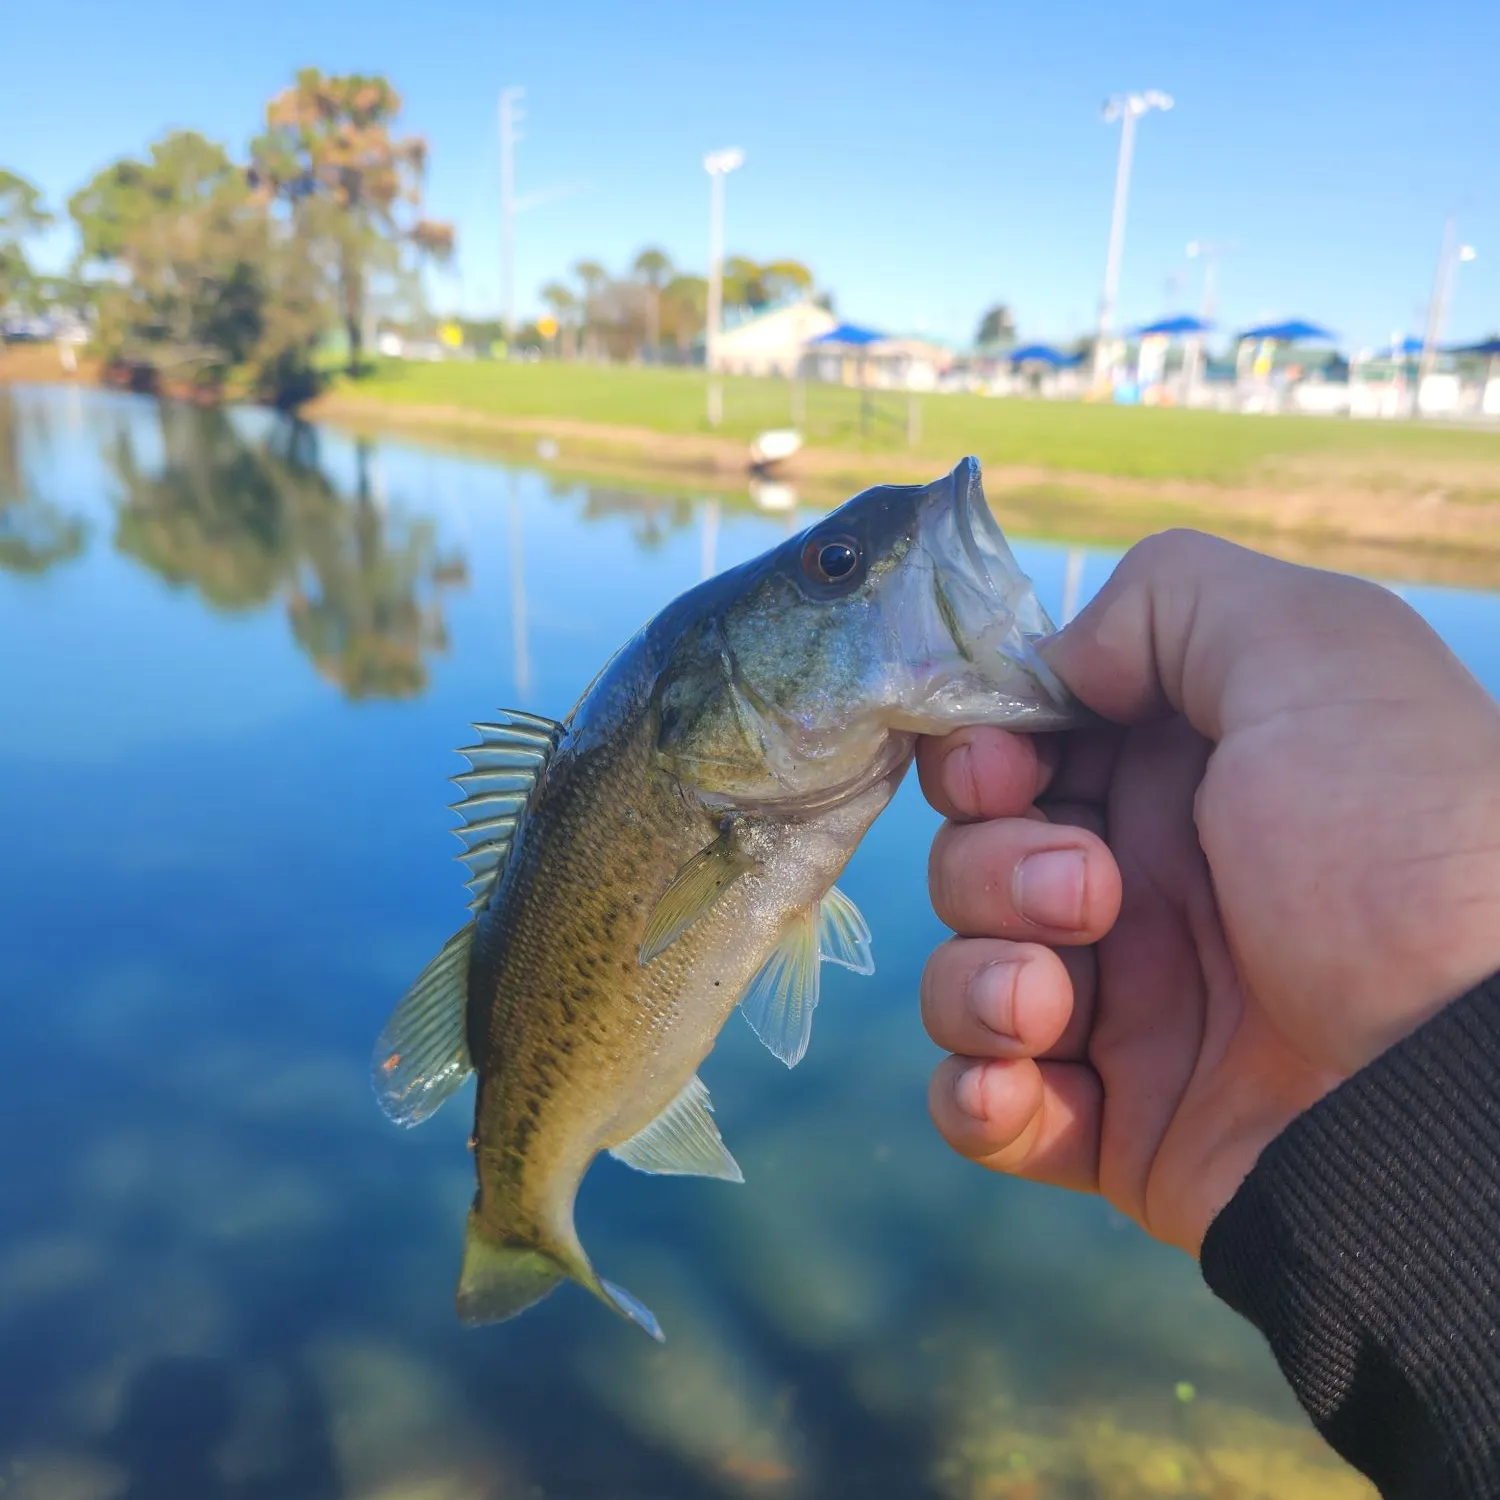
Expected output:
(451, 335)
(547, 327)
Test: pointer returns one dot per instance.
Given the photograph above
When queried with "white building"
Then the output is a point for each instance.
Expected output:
(772, 342)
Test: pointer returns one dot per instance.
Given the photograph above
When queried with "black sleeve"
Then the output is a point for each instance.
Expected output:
(1365, 1245)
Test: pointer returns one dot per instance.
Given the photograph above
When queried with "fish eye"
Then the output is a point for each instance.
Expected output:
(832, 560)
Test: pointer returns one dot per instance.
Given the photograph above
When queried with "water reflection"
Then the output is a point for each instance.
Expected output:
(222, 1274)
(35, 533)
(247, 521)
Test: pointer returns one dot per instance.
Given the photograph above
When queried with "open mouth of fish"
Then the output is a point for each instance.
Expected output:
(970, 620)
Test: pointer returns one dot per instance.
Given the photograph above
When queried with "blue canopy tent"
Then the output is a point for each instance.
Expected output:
(851, 338)
(1294, 331)
(1174, 328)
(848, 336)
(1043, 354)
(1486, 349)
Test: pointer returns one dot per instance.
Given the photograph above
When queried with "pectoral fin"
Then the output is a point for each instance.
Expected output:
(694, 889)
(843, 934)
(682, 1141)
(781, 999)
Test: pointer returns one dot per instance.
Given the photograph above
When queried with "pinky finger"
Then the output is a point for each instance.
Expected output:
(1040, 1121)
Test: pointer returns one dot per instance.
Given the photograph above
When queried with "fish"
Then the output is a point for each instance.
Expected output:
(670, 852)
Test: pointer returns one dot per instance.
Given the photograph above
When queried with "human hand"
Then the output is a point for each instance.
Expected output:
(1175, 936)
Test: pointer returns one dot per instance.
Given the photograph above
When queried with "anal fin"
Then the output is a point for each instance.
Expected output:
(682, 1141)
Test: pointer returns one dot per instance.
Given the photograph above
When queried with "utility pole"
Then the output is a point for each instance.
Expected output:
(1210, 254)
(1127, 108)
(1442, 287)
(718, 165)
(510, 117)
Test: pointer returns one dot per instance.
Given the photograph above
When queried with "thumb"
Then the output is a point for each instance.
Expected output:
(1192, 624)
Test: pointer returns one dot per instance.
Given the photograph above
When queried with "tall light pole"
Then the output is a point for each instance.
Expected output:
(1442, 286)
(510, 117)
(1209, 253)
(1127, 108)
(718, 165)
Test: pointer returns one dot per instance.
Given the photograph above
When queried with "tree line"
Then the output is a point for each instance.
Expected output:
(655, 310)
(218, 274)
(210, 274)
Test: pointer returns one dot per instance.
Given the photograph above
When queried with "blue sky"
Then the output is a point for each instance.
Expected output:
(924, 160)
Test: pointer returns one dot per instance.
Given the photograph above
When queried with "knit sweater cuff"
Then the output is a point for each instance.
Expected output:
(1363, 1245)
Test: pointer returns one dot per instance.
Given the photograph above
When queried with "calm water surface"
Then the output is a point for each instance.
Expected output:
(236, 661)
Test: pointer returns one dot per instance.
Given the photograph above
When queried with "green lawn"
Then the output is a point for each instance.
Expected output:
(1069, 436)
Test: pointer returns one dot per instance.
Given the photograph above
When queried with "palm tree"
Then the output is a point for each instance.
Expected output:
(593, 276)
(653, 266)
(782, 278)
(563, 304)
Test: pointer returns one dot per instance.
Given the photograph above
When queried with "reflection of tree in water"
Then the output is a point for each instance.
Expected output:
(35, 533)
(245, 522)
(653, 518)
(218, 514)
(356, 607)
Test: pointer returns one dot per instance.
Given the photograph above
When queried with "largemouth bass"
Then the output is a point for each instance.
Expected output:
(669, 851)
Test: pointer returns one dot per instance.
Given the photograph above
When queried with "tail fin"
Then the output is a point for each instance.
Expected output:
(500, 1279)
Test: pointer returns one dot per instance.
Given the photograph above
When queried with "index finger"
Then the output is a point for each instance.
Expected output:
(981, 772)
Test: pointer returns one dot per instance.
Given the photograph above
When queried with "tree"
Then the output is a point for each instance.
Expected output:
(997, 328)
(684, 311)
(756, 286)
(352, 188)
(564, 307)
(652, 266)
(22, 213)
(204, 285)
(593, 276)
(786, 278)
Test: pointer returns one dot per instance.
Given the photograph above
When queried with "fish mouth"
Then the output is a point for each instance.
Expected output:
(981, 621)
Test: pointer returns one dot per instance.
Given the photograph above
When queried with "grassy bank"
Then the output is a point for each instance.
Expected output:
(1118, 442)
(1405, 499)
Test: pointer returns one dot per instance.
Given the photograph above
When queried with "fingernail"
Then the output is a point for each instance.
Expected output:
(1048, 888)
(968, 1091)
(958, 778)
(992, 996)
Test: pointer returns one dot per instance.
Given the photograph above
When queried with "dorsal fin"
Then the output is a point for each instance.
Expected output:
(504, 768)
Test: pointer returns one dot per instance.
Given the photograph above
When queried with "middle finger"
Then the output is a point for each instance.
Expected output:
(1024, 878)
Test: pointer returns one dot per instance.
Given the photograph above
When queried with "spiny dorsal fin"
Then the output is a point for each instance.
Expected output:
(694, 888)
(504, 768)
(779, 1002)
(422, 1054)
(682, 1140)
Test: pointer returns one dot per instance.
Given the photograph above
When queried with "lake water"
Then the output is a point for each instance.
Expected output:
(236, 662)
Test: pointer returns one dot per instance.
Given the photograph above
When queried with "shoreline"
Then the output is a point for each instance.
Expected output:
(1413, 527)
(1323, 524)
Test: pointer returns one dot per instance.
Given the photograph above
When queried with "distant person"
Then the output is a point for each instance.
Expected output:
(1241, 979)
